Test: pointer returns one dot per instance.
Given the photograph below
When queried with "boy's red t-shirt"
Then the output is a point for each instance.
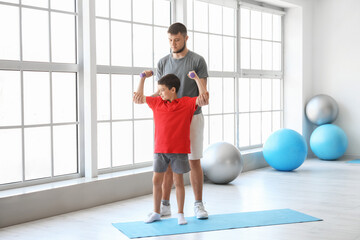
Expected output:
(172, 123)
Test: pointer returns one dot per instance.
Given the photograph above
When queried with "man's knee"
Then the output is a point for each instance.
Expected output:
(168, 174)
(195, 164)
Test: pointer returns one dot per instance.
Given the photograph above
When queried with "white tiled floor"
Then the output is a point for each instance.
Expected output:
(323, 189)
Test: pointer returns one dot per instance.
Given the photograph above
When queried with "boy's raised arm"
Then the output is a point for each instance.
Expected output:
(203, 98)
(139, 97)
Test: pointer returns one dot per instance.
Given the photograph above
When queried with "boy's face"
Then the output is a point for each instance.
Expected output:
(166, 93)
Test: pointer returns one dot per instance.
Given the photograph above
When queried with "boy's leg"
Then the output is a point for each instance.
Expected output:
(180, 165)
(161, 163)
(180, 191)
(180, 197)
(157, 192)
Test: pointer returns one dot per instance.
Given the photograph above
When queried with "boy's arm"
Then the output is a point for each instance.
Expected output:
(139, 97)
(203, 98)
(156, 94)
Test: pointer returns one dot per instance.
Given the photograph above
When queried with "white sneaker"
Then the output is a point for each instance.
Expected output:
(165, 210)
(200, 211)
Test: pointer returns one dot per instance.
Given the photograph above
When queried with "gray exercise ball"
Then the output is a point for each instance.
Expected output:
(222, 162)
(322, 109)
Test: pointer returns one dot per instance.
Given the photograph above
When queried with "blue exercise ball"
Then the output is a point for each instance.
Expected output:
(328, 142)
(285, 150)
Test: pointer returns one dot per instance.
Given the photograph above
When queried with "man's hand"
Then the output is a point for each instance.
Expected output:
(193, 75)
(146, 74)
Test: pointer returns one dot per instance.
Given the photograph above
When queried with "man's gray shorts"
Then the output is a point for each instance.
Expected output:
(179, 162)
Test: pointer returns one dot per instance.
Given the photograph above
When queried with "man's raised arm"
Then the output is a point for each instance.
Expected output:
(203, 98)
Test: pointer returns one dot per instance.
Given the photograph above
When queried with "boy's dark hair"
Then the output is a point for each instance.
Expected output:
(176, 28)
(170, 81)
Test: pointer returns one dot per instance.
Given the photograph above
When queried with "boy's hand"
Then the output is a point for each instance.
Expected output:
(146, 74)
(138, 98)
(193, 75)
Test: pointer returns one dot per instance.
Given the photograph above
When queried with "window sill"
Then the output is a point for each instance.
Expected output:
(71, 182)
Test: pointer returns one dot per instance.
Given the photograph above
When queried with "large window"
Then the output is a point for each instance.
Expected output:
(245, 95)
(38, 91)
(131, 36)
(260, 85)
(44, 94)
(212, 34)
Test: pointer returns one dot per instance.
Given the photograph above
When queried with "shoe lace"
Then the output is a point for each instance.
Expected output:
(199, 207)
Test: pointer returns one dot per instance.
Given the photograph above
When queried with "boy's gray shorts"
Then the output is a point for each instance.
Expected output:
(179, 162)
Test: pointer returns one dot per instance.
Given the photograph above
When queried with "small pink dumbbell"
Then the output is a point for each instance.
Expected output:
(144, 75)
(192, 75)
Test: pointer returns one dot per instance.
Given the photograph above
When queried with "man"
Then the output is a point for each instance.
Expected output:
(180, 62)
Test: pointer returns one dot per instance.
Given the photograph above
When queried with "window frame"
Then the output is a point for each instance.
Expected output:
(133, 71)
(240, 73)
(86, 70)
(48, 67)
(262, 74)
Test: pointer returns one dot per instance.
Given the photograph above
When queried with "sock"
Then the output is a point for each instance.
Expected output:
(181, 219)
(153, 217)
(165, 202)
(198, 201)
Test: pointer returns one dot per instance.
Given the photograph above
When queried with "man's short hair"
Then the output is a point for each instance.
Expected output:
(176, 28)
(170, 81)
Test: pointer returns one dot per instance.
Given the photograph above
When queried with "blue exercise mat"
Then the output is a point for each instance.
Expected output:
(354, 161)
(214, 222)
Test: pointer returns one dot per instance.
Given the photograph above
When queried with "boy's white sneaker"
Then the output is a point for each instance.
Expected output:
(165, 210)
(200, 211)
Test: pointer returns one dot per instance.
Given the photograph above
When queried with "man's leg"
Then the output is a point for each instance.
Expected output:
(196, 179)
(167, 184)
(196, 173)
(166, 191)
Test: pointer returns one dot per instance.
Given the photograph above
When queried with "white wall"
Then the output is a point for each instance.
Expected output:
(336, 62)
(298, 67)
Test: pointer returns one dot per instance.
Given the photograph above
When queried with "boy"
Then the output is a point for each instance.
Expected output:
(172, 118)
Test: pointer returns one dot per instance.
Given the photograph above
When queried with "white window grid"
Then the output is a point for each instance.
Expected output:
(238, 74)
(264, 75)
(75, 68)
(133, 73)
(49, 67)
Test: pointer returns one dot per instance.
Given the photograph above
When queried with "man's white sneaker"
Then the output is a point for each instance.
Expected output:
(200, 211)
(165, 210)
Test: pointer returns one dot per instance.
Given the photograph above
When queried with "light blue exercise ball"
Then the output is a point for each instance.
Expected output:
(328, 142)
(285, 150)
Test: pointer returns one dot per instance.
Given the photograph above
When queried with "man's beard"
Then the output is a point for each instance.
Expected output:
(182, 49)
